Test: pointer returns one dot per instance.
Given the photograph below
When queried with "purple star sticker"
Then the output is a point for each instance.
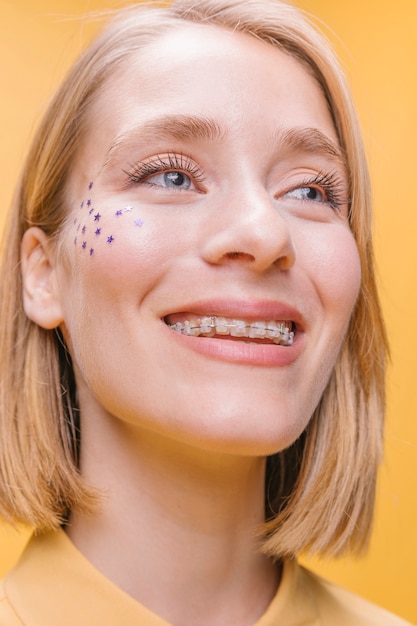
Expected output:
(110, 239)
(97, 217)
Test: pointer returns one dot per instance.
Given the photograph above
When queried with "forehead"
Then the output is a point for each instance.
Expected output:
(242, 84)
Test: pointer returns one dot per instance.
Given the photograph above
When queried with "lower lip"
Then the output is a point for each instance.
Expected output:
(267, 355)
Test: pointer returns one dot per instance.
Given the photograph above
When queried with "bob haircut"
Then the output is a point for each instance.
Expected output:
(320, 491)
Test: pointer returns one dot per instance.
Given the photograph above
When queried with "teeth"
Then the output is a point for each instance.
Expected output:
(257, 330)
(277, 331)
(238, 328)
(222, 327)
(192, 328)
(207, 326)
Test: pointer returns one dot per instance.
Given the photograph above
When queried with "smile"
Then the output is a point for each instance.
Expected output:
(278, 332)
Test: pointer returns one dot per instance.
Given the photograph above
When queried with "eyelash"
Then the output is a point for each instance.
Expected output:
(331, 185)
(139, 172)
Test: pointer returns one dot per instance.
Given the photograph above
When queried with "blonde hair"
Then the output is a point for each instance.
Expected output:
(320, 491)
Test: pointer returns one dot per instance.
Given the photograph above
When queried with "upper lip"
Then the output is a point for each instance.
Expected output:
(246, 309)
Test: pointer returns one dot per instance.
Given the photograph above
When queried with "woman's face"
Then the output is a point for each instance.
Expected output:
(208, 215)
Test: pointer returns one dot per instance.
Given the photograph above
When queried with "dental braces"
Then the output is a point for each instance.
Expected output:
(280, 334)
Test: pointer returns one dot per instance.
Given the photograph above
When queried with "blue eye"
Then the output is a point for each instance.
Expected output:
(173, 180)
(168, 171)
(325, 188)
(307, 193)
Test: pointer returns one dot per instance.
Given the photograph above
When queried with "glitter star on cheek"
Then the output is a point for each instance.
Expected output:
(138, 222)
(90, 186)
(97, 231)
(97, 217)
(128, 208)
(110, 239)
(119, 212)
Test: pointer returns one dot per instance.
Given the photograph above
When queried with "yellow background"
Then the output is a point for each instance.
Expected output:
(377, 42)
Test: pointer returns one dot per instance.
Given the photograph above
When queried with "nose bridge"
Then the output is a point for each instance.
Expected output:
(251, 230)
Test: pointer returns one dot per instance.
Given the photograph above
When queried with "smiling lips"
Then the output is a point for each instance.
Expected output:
(279, 332)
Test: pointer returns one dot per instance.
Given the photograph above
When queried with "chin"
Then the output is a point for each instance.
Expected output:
(239, 433)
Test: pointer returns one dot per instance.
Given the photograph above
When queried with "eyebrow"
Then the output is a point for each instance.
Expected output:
(162, 128)
(309, 141)
(167, 127)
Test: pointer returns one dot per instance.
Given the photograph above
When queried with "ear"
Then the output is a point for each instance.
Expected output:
(41, 299)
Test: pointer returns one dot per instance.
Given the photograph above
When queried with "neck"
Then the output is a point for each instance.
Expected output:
(177, 528)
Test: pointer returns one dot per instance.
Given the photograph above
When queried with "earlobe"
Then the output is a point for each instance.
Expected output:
(41, 299)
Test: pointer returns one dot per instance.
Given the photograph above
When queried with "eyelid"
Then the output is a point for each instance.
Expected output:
(138, 173)
(332, 184)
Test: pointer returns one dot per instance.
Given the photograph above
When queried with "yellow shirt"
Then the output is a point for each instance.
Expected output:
(54, 585)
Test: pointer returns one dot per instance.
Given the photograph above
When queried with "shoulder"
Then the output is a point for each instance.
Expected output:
(8, 616)
(339, 606)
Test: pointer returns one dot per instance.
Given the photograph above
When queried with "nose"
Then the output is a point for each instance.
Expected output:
(251, 231)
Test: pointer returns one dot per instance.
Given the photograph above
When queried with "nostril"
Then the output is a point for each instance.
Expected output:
(238, 255)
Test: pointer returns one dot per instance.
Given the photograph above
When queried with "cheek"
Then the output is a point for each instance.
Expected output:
(346, 273)
(111, 240)
(96, 226)
(335, 269)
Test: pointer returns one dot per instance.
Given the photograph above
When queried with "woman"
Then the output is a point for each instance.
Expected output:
(193, 383)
